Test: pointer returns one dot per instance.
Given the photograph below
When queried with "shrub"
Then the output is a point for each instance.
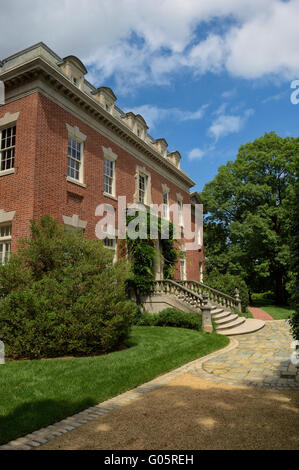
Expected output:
(170, 317)
(227, 284)
(62, 295)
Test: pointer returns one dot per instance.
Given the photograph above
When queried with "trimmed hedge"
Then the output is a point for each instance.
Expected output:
(169, 317)
(62, 295)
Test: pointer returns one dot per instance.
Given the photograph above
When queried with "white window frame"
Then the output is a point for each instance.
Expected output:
(180, 212)
(75, 134)
(165, 206)
(5, 242)
(183, 272)
(113, 248)
(112, 157)
(142, 172)
(5, 149)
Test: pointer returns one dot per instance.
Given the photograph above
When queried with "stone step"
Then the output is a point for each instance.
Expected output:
(214, 311)
(218, 316)
(232, 324)
(249, 326)
(227, 319)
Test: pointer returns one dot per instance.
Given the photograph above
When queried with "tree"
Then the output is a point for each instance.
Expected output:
(62, 295)
(294, 284)
(248, 218)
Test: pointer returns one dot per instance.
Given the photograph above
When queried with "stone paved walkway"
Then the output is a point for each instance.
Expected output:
(260, 314)
(261, 359)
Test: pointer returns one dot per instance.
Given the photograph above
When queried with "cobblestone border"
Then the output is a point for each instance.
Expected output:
(44, 435)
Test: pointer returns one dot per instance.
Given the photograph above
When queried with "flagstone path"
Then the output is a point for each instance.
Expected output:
(244, 396)
(261, 359)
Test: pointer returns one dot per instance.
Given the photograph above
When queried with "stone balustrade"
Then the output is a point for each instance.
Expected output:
(183, 293)
(214, 295)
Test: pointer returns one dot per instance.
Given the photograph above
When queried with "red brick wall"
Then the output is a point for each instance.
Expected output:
(17, 190)
(39, 185)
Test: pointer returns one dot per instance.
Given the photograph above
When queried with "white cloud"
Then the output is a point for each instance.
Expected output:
(154, 114)
(196, 154)
(228, 124)
(140, 43)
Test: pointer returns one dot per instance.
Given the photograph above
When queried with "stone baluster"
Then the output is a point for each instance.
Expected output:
(206, 314)
(238, 300)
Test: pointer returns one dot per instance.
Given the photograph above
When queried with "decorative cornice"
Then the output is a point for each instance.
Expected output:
(40, 69)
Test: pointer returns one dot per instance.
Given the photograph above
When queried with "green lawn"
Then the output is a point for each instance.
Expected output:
(34, 394)
(278, 312)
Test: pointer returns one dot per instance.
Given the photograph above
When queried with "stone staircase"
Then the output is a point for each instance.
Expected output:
(192, 296)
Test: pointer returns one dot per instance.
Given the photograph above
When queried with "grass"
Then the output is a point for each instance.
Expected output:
(277, 312)
(34, 394)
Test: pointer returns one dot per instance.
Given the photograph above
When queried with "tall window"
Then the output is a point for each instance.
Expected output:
(74, 159)
(109, 176)
(183, 268)
(110, 243)
(142, 189)
(166, 205)
(180, 212)
(5, 243)
(7, 148)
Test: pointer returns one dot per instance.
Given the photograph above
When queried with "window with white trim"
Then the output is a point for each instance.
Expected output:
(75, 159)
(180, 212)
(110, 243)
(165, 205)
(142, 182)
(7, 148)
(183, 268)
(5, 243)
(109, 173)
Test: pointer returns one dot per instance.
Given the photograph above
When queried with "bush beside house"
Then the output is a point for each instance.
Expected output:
(62, 295)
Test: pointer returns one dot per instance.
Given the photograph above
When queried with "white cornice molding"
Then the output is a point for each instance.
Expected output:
(177, 177)
(8, 118)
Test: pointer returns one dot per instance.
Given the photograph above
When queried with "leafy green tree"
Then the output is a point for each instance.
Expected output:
(247, 226)
(62, 295)
(294, 283)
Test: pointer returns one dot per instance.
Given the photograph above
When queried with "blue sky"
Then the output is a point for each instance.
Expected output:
(207, 75)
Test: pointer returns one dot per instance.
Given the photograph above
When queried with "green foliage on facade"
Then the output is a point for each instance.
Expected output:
(62, 295)
(143, 251)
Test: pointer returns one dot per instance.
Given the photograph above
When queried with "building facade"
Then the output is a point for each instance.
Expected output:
(66, 148)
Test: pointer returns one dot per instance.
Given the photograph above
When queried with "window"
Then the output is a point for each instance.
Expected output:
(183, 268)
(5, 243)
(180, 212)
(108, 176)
(74, 159)
(7, 148)
(165, 205)
(142, 189)
(110, 243)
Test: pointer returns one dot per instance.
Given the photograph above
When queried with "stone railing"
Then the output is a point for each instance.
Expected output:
(214, 295)
(183, 293)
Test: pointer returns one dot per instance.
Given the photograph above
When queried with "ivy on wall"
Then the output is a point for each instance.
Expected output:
(142, 251)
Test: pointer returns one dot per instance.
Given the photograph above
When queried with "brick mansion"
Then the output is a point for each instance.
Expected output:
(66, 147)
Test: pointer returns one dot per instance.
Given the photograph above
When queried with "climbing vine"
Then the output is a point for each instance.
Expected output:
(142, 250)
